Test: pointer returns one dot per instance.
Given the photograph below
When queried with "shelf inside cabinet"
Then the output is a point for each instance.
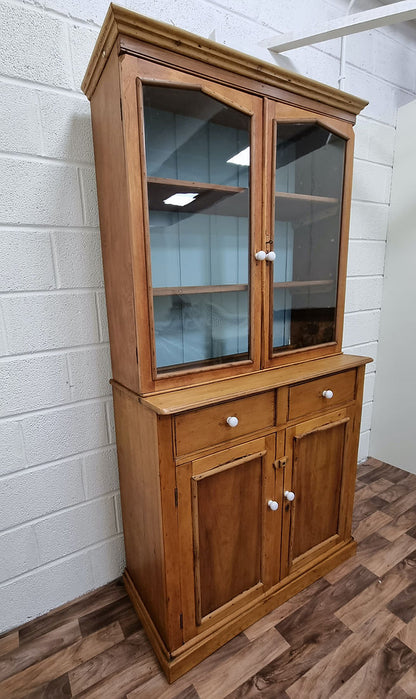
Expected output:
(211, 199)
(182, 290)
(300, 208)
(303, 284)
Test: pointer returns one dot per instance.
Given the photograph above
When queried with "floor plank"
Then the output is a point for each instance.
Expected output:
(350, 635)
(370, 525)
(33, 651)
(229, 675)
(330, 673)
(9, 642)
(379, 675)
(57, 664)
(108, 662)
(408, 682)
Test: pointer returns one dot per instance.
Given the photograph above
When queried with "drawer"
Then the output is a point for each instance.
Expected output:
(308, 397)
(206, 426)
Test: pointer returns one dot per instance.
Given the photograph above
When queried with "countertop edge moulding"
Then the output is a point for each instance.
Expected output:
(123, 22)
(176, 401)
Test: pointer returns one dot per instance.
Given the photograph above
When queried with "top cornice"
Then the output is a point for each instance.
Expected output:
(120, 22)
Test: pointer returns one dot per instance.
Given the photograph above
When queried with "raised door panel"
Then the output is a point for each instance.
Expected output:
(229, 536)
(319, 475)
(194, 163)
(309, 168)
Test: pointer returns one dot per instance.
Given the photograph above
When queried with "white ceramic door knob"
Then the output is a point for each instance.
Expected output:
(328, 393)
(273, 505)
(232, 421)
(260, 255)
(271, 256)
(289, 495)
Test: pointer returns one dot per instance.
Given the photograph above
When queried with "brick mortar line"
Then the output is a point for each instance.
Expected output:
(46, 227)
(373, 162)
(53, 351)
(61, 510)
(33, 158)
(56, 561)
(61, 291)
(56, 408)
(54, 13)
(57, 462)
(41, 87)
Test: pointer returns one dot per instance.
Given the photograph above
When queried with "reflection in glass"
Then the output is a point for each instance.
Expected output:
(198, 173)
(308, 204)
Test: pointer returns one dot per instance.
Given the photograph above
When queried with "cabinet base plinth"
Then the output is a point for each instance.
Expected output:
(177, 662)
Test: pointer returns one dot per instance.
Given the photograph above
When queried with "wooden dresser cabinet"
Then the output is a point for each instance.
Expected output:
(224, 189)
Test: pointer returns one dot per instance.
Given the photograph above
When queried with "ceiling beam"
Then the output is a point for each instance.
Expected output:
(350, 24)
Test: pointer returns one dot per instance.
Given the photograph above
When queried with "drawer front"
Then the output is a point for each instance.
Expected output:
(208, 426)
(309, 397)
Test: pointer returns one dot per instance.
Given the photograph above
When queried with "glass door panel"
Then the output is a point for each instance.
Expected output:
(198, 181)
(309, 171)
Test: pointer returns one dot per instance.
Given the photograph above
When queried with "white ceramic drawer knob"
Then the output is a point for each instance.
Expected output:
(289, 495)
(271, 256)
(273, 505)
(232, 421)
(328, 394)
(260, 255)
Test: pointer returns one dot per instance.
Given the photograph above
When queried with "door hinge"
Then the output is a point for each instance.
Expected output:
(176, 497)
(181, 620)
(280, 463)
(121, 110)
(137, 356)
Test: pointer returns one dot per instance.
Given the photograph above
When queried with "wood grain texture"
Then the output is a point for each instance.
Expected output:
(208, 426)
(170, 402)
(138, 27)
(136, 431)
(307, 398)
(114, 224)
(351, 635)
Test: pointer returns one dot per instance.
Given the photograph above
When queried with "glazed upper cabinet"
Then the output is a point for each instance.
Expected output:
(233, 201)
(236, 221)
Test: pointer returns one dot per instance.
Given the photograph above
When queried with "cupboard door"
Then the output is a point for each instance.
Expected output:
(229, 535)
(200, 146)
(319, 477)
(309, 162)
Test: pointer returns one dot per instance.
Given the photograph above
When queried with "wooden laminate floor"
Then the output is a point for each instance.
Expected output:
(351, 634)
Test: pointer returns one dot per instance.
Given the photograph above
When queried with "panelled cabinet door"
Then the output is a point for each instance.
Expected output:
(200, 146)
(229, 533)
(309, 166)
(318, 488)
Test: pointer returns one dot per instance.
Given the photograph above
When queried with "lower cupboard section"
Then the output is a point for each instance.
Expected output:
(179, 661)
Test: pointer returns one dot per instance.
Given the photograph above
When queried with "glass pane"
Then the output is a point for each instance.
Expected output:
(198, 174)
(308, 203)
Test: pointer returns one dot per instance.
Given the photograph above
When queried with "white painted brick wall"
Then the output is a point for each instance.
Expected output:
(60, 515)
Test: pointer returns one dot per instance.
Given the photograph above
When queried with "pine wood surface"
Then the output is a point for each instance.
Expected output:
(177, 401)
(351, 634)
(132, 30)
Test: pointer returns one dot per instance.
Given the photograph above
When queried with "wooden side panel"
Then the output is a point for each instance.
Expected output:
(114, 223)
(137, 439)
(317, 476)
